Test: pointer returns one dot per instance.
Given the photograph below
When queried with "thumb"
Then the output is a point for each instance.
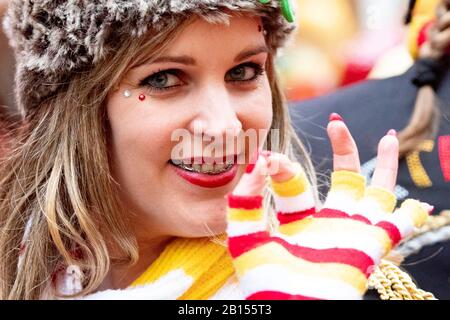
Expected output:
(253, 181)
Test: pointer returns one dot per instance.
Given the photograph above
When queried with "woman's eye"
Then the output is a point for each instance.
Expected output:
(244, 72)
(163, 80)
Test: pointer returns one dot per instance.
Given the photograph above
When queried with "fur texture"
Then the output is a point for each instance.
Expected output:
(54, 38)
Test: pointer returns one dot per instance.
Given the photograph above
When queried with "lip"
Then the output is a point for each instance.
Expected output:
(207, 180)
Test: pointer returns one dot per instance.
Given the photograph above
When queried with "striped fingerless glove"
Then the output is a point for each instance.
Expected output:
(326, 254)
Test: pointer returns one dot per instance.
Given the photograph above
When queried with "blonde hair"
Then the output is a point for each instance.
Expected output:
(8, 123)
(58, 172)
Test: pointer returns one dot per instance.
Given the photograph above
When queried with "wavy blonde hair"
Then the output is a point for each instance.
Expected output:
(59, 173)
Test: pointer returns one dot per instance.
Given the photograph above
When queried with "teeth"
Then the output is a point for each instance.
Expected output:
(219, 167)
(204, 168)
(177, 162)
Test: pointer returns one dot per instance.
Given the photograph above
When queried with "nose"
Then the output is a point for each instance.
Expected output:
(216, 115)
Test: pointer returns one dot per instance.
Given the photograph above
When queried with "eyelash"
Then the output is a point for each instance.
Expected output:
(144, 82)
(259, 71)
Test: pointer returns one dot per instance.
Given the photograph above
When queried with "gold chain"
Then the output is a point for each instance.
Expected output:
(394, 284)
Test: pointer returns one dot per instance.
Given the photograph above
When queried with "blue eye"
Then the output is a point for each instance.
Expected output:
(244, 72)
(162, 80)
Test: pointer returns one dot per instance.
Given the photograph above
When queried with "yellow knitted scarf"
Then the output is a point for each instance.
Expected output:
(205, 260)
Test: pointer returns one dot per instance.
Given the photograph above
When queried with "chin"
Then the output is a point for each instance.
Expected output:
(209, 219)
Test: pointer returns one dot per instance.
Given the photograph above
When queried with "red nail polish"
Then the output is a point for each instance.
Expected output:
(251, 165)
(392, 132)
(335, 117)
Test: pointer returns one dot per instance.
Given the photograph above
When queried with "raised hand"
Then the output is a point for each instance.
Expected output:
(317, 254)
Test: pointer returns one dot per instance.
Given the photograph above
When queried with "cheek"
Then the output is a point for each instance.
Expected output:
(256, 112)
(138, 137)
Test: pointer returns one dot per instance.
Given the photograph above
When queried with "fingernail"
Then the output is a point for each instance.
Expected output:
(335, 117)
(392, 132)
(251, 165)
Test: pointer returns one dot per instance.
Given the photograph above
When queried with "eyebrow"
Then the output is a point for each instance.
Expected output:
(186, 60)
(252, 52)
(177, 59)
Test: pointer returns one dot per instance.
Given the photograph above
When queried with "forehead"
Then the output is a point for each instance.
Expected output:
(201, 37)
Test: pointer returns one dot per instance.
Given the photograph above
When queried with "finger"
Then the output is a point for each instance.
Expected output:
(292, 192)
(401, 224)
(245, 214)
(253, 181)
(347, 188)
(385, 175)
(417, 212)
(345, 152)
(377, 204)
(281, 168)
(379, 199)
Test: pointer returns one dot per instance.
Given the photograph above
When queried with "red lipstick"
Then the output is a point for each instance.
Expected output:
(207, 180)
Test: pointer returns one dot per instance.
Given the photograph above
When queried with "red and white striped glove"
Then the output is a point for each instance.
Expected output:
(326, 254)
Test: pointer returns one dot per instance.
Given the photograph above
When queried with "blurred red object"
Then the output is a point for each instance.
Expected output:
(306, 91)
(362, 53)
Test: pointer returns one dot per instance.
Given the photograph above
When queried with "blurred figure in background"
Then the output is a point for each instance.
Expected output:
(417, 104)
(313, 64)
(339, 42)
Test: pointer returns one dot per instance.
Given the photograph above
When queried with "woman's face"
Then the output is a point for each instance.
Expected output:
(209, 82)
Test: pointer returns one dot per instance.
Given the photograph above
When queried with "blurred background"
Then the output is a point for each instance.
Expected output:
(340, 42)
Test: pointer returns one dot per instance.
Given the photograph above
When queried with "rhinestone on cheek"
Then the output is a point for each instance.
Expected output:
(141, 97)
(127, 93)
